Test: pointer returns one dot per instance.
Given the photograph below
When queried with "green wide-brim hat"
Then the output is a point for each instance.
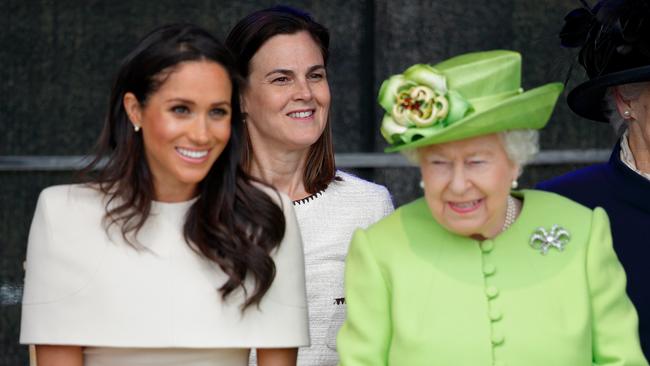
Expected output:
(466, 96)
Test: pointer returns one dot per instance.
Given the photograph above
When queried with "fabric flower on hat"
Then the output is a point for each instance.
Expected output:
(418, 100)
(469, 95)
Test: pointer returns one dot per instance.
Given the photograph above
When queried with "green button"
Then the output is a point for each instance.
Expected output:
(487, 246)
(491, 292)
(495, 315)
(489, 269)
(497, 338)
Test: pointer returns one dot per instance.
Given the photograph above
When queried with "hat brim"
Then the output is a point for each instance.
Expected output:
(586, 99)
(528, 110)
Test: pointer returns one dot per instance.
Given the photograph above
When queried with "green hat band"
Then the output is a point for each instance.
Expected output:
(425, 102)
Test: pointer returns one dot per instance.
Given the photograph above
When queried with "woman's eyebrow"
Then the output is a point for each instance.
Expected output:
(316, 67)
(291, 72)
(279, 71)
(179, 100)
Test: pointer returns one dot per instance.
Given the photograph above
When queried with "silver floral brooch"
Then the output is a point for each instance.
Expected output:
(543, 240)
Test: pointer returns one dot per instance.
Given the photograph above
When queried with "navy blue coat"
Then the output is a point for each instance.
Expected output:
(625, 196)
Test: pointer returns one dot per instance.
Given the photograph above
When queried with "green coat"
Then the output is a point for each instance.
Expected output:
(419, 295)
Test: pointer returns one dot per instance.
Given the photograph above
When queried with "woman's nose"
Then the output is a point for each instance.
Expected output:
(198, 130)
(302, 90)
(459, 181)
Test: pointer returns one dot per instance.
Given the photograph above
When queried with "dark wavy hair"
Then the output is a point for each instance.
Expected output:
(232, 222)
(244, 40)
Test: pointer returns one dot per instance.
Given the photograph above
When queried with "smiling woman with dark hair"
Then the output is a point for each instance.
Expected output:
(282, 56)
(170, 254)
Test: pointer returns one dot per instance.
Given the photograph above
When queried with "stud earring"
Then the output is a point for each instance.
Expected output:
(627, 114)
(421, 184)
(514, 184)
(136, 128)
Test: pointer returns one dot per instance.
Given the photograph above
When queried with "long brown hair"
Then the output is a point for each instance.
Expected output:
(232, 222)
(244, 40)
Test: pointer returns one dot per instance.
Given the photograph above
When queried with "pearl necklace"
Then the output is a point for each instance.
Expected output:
(511, 213)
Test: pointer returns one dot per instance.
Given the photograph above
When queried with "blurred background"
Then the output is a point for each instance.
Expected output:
(57, 59)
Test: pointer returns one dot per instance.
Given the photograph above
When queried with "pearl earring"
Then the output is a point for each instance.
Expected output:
(136, 128)
(514, 184)
(421, 184)
(627, 114)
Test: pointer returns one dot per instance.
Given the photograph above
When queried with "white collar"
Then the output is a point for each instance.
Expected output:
(628, 158)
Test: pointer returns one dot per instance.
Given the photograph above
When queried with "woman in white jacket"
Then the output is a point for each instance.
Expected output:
(281, 56)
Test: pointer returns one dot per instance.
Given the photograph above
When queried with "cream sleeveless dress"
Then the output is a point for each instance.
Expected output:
(156, 305)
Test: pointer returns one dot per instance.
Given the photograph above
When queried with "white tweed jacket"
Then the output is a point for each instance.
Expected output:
(327, 221)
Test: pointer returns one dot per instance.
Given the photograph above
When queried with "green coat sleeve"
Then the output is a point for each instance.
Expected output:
(364, 338)
(615, 324)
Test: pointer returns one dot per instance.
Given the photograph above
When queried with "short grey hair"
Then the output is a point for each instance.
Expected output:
(411, 155)
(629, 91)
(521, 146)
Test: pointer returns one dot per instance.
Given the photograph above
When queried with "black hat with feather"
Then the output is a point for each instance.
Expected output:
(614, 37)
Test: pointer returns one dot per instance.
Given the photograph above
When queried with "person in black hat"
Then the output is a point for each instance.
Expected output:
(614, 37)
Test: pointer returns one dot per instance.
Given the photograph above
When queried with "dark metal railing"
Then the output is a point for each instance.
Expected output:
(343, 160)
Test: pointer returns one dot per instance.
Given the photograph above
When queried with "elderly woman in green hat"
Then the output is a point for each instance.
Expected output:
(475, 273)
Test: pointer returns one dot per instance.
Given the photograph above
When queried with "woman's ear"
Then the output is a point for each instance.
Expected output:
(242, 105)
(516, 171)
(623, 106)
(133, 109)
